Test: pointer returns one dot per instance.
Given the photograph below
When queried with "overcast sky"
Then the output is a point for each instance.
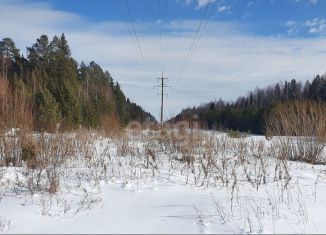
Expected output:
(239, 45)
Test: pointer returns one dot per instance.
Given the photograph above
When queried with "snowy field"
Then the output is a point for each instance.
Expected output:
(158, 183)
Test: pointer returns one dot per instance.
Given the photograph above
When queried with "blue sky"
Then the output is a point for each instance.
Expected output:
(243, 45)
(262, 17)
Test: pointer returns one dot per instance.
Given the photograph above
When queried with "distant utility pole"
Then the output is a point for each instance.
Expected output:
(162, 85)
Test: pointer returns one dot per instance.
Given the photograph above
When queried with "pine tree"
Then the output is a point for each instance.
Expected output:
(51, 83)
(277, 93)
(48, 111)
(38, 54)
(8, 53)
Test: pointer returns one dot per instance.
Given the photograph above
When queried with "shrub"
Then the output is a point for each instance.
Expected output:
(235, 134)
(29, 151)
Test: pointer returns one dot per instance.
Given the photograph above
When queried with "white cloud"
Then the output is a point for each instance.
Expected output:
(315, 22)
(188, 2)
(316, 26)
(203, 3)
(223, 8)
(293, 27)
(313, 1)
(227, 62)
(199, 3)
(307, 2)
(290, 23)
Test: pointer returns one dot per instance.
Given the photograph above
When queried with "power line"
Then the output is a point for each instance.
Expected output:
(135, 33)
(164, 38)
(197, 31)
(205, 26)
(188, 57)
(207, 12)
(145, 10)
(160, 22)
(181, 24)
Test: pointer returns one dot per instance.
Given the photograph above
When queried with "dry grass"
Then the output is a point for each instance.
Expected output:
(190, 157)
(10, 151)
(301, 130)
(110, 125)
(200, 158)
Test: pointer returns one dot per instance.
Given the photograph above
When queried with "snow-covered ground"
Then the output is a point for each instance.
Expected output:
(136, 184)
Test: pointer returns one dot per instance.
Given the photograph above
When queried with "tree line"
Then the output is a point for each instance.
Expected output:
(50, 87)
(248, 113)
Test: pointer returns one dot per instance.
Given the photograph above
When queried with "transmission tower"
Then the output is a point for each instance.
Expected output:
(162, 94)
